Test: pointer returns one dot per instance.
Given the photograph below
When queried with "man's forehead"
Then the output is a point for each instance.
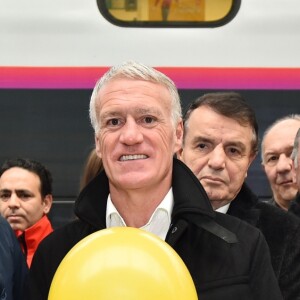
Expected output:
(279, 148)
(125, 86)
(283, 128)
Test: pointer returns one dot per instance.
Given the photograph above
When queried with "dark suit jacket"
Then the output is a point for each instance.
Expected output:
(13, 267)
(295, 206)
(282, 233)
(227, 258)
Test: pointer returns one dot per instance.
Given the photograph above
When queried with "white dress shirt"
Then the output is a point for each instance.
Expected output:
(223, 209)
(158, 223)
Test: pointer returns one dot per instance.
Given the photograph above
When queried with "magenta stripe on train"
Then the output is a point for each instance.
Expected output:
(184, 77)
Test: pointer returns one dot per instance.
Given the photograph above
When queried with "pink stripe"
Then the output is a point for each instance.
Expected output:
(184, 78)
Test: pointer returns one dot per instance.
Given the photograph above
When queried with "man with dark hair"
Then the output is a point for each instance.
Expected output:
(220, 142)
(25, 200)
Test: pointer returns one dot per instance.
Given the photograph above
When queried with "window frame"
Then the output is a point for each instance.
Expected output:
(236, 4)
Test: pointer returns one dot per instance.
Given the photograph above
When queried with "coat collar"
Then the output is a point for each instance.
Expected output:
(295, 206)
(191, 204)
(31, 237)
(244, 206)
(189, 197)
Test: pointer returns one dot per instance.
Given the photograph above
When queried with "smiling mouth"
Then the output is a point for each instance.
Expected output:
(133, 157)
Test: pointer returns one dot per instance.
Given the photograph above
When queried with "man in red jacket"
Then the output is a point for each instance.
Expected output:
(25, 200)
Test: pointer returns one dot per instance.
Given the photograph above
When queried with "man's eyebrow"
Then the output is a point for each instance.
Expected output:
(17, 191)
(109, 114)
(202, 139)
(270, 153)
(138, 110)
(286, 149)
(24, 191)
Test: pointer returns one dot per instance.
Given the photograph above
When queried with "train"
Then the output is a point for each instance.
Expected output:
(52, 52)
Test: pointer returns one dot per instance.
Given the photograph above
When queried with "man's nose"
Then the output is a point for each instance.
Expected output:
(284, 163)
(131, 133)
(14, 201)
(217, 158)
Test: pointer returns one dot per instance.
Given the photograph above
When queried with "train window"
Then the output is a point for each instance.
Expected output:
(169, 13)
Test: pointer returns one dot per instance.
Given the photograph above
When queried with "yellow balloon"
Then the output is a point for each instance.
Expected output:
(122, 264)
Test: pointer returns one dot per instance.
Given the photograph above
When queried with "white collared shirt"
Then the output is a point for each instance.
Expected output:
(159, 222)
(223, 209)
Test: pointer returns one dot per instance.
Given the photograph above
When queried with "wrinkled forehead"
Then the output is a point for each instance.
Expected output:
(135, 95)
(282, 133)
(125, 86)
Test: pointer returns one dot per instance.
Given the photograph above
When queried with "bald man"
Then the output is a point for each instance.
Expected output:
(276, 149)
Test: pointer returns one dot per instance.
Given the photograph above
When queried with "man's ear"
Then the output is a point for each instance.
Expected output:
(48, 200)
(97, 145)
(179, 153)
(252, 157)
(179, 136)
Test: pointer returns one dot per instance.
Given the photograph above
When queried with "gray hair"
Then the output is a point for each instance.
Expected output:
(295, 152)
(288, 117)
(134, 70)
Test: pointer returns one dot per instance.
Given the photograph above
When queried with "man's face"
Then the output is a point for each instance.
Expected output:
(218, 151)
(137, 138)
(277, 148)
(21, 202)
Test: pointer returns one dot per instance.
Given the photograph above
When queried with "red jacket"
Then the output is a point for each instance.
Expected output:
(32, 236)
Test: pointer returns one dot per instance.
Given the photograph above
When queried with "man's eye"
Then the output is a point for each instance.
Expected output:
(114, 122)
(4, 196)
(149, 120)
(201, 146)
(272, 158)
(25, 196)
(233, 151)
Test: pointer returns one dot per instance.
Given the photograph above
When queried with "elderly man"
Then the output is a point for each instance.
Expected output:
(136, 114)
(220, 142)
(276, 149)
(25, 200)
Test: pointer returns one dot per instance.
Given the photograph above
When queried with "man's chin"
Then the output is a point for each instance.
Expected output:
(132, 181)
(16, 227)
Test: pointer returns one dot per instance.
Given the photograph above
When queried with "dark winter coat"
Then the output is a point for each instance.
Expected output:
(282, 233)
(13, 268)
(227, 258)
(295, 206)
